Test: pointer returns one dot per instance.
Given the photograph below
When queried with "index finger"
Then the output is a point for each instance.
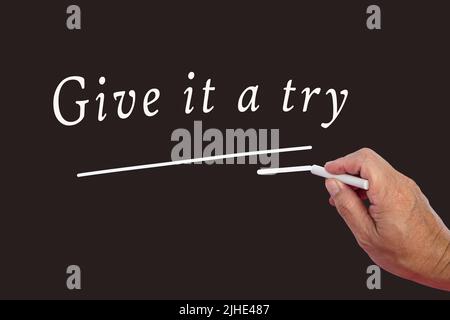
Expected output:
(364, 163)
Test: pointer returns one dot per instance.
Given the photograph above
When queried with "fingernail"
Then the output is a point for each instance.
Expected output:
(332, 187)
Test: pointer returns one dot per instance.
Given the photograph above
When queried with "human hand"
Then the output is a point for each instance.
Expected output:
(399, 230)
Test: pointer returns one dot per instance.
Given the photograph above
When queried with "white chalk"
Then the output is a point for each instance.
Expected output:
(345, 178)
(320, 171)
(270, 171)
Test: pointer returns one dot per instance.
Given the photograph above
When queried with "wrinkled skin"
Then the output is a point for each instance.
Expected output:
(399, 229)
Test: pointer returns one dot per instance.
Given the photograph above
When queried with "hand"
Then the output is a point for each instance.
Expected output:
(399, 230)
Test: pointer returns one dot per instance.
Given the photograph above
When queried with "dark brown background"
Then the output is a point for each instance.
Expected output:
(210, 231)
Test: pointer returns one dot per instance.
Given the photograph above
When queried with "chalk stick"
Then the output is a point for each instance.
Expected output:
(319, 171)
(345, 178)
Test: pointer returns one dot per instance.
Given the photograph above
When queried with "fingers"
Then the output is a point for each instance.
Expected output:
(331, 201)
(354, 163)
(361, 194)
(368, 165)
(351, 208)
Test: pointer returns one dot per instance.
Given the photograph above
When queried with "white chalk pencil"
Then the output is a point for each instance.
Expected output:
(320, 171)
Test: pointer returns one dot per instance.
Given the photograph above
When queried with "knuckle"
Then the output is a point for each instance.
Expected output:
(345, 206)
(407, 194)
(366, 152)
(364, 242)
(412, 184)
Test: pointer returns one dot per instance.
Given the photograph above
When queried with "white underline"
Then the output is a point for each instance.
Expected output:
(188, 161)
(270, 171)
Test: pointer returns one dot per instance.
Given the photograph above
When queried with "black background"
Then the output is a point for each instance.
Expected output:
(221, 231)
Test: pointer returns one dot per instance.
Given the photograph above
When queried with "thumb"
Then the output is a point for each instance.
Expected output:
(351, 208)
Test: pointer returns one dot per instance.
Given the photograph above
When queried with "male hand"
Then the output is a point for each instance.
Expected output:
(399, 230)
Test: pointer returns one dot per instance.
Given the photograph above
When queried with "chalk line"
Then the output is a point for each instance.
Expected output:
(269, 171)
(188, 161)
